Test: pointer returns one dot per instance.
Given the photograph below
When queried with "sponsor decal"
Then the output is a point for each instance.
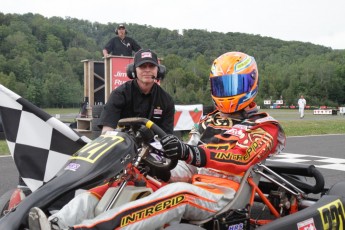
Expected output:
(223, 146)
(157, 111)
(126, 159)
(306, 225)
(237, 157)
(332, 215)
(234, 132)
(118, 71)
(146, 55)
(236, 227)
(120, 74)
(94, 150)
(243, 127)
(118, 82)
(243, 64)
(72, 167)
(261, 120)
(231, 157)
(252, 148)
(152, 210)
(197, 155)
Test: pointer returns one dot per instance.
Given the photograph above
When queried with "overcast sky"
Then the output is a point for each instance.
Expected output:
(317, 21)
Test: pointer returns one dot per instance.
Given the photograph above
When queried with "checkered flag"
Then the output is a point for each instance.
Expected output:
(39, 143)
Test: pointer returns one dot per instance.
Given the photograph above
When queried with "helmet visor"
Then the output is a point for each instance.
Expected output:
(232, 84)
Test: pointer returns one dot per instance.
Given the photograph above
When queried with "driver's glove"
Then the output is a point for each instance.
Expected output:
(174, 148)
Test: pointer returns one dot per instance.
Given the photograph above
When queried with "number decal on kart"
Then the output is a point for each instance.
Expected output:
(92, 152)
(332, 215)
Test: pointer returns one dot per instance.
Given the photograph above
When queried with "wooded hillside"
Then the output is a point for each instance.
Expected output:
(40, 59)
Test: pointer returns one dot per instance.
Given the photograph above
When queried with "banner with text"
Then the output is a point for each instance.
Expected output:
(118, 70)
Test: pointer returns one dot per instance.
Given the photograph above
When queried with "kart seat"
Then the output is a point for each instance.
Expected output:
(241, 198)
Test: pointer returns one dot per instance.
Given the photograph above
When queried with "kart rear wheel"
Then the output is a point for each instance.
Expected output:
(4, 201)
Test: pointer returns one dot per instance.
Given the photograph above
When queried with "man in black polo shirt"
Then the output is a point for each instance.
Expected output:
(121, 45)
(140, 97)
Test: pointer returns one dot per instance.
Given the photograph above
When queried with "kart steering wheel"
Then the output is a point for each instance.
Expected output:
(164, 163)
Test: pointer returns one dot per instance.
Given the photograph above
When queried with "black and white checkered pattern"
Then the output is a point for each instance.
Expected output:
(39, 143)
(318, 161)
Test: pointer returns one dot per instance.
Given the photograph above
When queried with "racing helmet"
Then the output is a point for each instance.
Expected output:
(234, 81)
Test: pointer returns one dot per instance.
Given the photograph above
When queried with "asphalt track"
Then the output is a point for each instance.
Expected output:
(323, 145)
(332, 146)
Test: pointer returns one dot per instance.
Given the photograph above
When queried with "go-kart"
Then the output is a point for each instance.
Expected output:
(270, 195)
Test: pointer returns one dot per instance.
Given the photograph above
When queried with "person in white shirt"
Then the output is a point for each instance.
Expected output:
(301, 105)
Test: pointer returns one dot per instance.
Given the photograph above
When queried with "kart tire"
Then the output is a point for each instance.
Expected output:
(5, 200)
(337, 189)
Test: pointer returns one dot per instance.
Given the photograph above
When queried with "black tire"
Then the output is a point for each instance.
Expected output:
(96, 111)
(5, 200)
(337, 189)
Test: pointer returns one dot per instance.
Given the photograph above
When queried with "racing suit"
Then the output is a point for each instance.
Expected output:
(198, 189)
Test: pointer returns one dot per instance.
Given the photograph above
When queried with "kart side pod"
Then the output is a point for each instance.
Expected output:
(129, 193)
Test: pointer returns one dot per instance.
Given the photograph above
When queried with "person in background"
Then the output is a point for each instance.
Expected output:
(232, 139)
(121, 45)
(301, 105)
(140, 97)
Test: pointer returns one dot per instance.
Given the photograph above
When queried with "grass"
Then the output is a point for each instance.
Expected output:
(62, 111)
(310, 124)
(3, 148)
(66, 115)
(303, 128)
(289, 120)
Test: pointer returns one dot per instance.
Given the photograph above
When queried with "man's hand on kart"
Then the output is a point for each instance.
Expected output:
(174, 148)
